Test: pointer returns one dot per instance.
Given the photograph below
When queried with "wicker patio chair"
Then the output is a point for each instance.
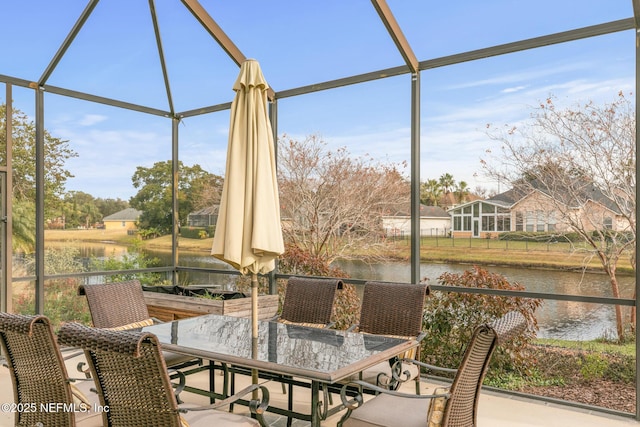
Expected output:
(455, 406)
(309, 301)
(117, 304)
(39, 376)
(133, 382)
(393, 309)
(121, 305)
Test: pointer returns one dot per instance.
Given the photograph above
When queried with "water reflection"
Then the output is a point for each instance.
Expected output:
(557, 319)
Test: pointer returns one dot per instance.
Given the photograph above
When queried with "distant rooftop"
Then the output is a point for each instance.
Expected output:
(129, 214)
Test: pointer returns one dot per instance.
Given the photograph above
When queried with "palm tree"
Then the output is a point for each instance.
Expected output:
(430, 192)
(24, 216)
(448, 184)
(461, 191)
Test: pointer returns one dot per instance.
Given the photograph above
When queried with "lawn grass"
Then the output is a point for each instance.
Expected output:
(469, 251)
(92, 235)
(495, 252)
(598, 346)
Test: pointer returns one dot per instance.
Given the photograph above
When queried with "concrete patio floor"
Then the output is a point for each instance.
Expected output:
(495, 409)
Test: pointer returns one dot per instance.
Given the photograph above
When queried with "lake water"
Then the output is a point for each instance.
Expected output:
(557, 319)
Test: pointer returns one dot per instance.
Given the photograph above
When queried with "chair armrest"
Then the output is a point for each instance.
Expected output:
(180, 385)
(352, 328)
(80, 367)
(358, 385)
(76, 352)
(256, 406)
(430, 367)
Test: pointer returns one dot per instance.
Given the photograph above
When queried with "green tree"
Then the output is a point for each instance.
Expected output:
(79, 210)
(154, 193)
(24, 218)
(430, 192)
(461, 191)
(110, 206)
(57, 152)
(447, 183)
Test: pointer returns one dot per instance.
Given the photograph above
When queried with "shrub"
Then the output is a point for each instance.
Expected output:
(194, 233)
(61, 302)
(621, 368)
(593, 366)
(451, 317)
(544, 237)
(129, 261)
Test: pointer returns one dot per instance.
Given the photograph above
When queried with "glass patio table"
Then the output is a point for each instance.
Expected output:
(321, 356)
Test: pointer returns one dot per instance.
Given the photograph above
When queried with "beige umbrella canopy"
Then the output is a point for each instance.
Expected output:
(248, 231)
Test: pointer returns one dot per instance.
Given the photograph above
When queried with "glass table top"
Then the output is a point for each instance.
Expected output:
(288, 349)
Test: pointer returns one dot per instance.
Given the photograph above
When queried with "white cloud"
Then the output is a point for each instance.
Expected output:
(92, 119)
(513, 89)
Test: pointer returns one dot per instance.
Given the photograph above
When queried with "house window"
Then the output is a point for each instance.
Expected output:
(519, 221)
(540, 221)
(457, 223)
(462, 217)
(530, 220)
(467, 223)
(124, 223)
(488, 223)
(503, 223)
(551, 221)
(608, 223)
(486, 208)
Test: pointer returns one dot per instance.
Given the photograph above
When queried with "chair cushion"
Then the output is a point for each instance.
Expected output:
(310, 325)
(172, 359)
(385, 410)
(436, 409)
(84, 393)
(134, 325)
(214, 418)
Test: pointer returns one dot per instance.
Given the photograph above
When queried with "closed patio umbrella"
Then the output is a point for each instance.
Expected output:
(248, 231)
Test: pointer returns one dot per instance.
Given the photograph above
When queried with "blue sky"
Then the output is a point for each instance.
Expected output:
(300, 43)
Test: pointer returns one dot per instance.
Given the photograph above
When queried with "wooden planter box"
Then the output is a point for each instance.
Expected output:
(169, 307)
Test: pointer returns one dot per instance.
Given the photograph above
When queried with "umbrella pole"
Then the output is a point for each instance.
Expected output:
(254, 328)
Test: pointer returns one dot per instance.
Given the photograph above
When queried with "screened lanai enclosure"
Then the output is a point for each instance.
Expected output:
(427, 118)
